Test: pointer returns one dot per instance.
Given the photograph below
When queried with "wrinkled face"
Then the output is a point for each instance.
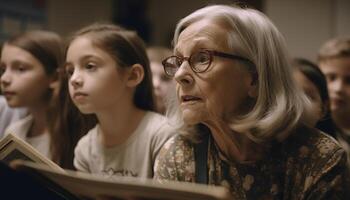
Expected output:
(95, 84)
(337, 72)
(221, 92)
(313, 94)
(24, 82)
(163, 85)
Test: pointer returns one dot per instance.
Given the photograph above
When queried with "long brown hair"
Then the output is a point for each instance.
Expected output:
(68, 126)
(45, 46)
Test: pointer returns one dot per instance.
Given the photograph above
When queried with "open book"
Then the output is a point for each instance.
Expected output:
(76, 185)
(82, 185)
(13, 148)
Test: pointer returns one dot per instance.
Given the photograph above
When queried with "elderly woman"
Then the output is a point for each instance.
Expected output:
(241, 117)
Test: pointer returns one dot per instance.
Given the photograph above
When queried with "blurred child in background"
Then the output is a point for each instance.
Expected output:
(162, 83)
(29, 79)
(313, 82)
(334, 62)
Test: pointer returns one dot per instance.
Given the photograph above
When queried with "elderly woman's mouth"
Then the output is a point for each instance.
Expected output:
(189, 98)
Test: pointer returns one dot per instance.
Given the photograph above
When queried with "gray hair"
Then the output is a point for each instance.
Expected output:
(280, 104)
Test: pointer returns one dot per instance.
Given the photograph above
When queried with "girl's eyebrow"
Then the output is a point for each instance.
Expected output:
(86, 57)
(91, 56)
(21, 62)
(17, 61)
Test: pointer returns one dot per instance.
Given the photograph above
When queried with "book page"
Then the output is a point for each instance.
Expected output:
(13, 155)
(12, 148)
(93, 186)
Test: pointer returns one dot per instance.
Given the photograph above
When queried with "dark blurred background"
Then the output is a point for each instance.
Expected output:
(306, 24)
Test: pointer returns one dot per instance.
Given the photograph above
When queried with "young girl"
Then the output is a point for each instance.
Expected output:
(109, 76)
(29, 64)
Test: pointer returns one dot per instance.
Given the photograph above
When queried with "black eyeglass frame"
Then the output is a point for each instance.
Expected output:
(211, 53)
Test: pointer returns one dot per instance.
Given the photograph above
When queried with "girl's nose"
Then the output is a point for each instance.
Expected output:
(5, 78)
(76, 80)
(338, 85)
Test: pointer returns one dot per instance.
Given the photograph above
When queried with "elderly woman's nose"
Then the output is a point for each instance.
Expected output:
(184, 74)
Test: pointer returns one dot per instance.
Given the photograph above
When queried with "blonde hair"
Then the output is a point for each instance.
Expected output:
(335, 48)
(279, 105)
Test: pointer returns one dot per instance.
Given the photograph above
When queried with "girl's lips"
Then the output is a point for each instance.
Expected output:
(338, 101)
(79, 95)
(8, 93)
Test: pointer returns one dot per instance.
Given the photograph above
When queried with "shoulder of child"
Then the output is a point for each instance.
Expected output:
(20, 127)
(86, 139)
(159, 125)
(81, 151)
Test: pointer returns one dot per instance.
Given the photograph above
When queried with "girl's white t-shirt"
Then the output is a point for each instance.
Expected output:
(21, 128)
(135, 157)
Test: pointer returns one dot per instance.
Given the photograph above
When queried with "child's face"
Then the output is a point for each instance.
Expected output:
(24, 82)
(95, 84)
(163, 85)
(313, 94)
(337, 73)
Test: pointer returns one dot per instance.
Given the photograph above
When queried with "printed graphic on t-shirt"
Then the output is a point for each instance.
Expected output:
(118, 172)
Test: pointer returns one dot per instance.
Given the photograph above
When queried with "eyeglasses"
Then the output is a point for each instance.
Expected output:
(199, 61)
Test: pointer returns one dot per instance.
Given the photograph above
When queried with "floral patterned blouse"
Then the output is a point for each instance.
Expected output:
(307, 165)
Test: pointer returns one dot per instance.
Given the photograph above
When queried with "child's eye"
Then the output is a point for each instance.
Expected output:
(20, 68)
(2, 69)
(69, 71)
(330, 77)
(90, 66)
